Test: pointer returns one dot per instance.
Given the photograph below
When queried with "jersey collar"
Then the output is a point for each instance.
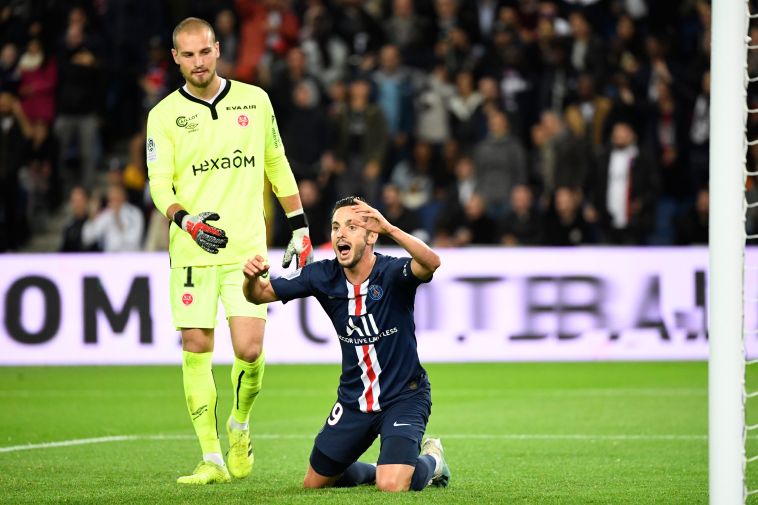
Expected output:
(211, 106)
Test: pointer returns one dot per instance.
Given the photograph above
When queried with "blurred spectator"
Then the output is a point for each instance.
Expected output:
(283, 83)
(399, 215)
(118, 227)
(432, 123)
(15, 133)
(467, 120)
(657, 68)
(587, 50)
(457, 52)
(699, 134)
(449, 18)
(134, 174)
(564, 223)
(508, 61)
(325, 53)
(306, 132)
(457, 196)
(587, 115)
(522, 225)
(477, 227)
(500, 162)
(37, 88)
(560, 159)
(624, 190)
(360, 144)
(267, 30)
(362, 33)
(79, 100)
(692, 227)
(9, 76)
(557, 81)
(225, 27)
(79, 205)
(410, 33)
(155, 79)
(318, 211)
(394, 95)
(413, 178)
(625, 46)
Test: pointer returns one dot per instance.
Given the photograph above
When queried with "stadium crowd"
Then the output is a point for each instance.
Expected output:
(515, 122)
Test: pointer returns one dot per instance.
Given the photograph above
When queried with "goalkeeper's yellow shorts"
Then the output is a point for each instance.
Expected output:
(195, 292)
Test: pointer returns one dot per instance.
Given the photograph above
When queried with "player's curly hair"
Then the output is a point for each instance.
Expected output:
(344, 202)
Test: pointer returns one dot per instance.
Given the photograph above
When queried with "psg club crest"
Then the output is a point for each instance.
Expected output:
(243, 120)
(375, 292)
(187, 298)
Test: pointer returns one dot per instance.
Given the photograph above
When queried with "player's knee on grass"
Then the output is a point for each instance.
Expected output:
(393, 478)
(323, 471)
(397, 459)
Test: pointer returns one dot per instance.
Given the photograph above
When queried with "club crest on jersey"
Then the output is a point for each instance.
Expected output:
(187, 299)
(243, 120)
(375, 292)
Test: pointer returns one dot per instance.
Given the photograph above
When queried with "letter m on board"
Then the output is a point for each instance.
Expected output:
(96, 300)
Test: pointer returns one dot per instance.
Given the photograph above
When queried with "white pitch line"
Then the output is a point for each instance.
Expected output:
(458, 436)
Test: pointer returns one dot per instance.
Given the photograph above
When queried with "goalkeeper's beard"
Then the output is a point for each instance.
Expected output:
(201, 83)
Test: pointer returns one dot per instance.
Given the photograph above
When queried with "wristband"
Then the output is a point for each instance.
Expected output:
(178, 216)
(297, 221)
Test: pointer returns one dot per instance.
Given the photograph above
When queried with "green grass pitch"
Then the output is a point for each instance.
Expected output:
(564, 433)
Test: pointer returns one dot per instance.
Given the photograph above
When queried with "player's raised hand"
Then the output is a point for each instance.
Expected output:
(372, 219)
(256, 267)
(210, 238)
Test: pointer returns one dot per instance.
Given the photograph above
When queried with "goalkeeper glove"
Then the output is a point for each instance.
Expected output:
(300, 244)
(210, 238)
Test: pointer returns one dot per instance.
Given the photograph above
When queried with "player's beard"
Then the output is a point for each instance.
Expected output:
(357, 255)
(201, 83)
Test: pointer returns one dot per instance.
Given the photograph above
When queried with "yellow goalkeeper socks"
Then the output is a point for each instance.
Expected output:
(247, 380)
(200, 393)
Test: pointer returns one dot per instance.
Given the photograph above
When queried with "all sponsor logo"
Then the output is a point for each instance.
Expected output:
(243, 120)
(187, 299)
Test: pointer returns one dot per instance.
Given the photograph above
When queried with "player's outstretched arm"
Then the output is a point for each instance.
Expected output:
(424, 260)
(256, 287)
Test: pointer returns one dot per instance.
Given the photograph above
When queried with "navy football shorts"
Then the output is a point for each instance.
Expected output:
(348, 433)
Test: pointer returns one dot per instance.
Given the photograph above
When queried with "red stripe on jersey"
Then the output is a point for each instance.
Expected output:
(371, 378)
(358, 299)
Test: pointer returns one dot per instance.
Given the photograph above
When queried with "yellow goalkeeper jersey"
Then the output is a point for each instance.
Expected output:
(212, 157)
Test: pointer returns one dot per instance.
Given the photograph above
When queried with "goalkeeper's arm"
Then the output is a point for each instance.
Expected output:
(300, 244)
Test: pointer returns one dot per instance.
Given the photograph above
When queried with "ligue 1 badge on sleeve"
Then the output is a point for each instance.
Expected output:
(152, 153)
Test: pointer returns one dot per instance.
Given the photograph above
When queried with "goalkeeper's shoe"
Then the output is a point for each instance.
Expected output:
(441, 475)
(207, 472)
(240, 456)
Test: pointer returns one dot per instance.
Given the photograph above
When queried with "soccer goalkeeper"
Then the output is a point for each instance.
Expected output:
(208, 146)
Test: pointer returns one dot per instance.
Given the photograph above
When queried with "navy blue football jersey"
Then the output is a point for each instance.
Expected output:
(374, 323)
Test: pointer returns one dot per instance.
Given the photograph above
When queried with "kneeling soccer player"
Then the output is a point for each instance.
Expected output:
(384, 391)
